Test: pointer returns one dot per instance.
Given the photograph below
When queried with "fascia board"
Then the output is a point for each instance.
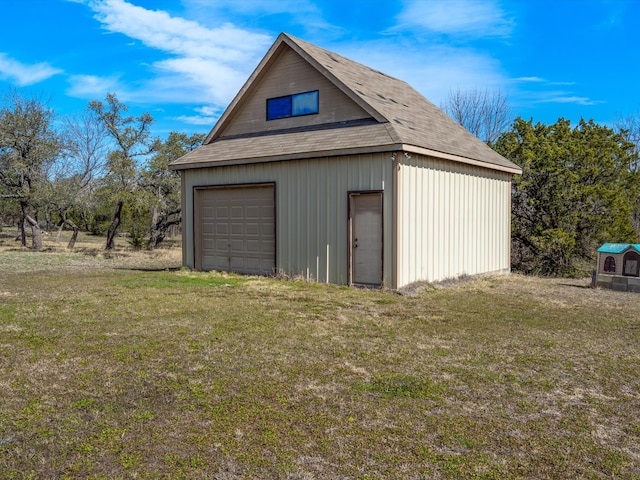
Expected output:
(457, 158)
(228, 113)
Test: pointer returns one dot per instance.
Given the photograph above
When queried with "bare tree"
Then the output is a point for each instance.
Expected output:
(74, 177)
(484, 113)
(629, 127)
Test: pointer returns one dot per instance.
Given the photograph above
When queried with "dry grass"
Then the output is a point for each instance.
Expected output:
(115, 367)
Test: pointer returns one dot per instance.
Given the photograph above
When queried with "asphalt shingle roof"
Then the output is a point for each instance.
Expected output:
(404, 120)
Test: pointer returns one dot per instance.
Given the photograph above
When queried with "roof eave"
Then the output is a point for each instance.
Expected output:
(457, 158)
(287, 157)
(393, 147)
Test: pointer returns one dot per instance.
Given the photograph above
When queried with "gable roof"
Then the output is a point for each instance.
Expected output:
(618, 247)
(401, 119)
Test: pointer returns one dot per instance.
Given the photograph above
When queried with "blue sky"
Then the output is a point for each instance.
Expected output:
(184, 60)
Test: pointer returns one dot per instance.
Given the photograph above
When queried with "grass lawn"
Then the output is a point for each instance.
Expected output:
(125, 366)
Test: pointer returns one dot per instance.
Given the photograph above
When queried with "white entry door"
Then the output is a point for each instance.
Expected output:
(365, 211)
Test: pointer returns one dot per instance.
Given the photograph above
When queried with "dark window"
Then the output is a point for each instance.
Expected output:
(278, 108)
(292, 105)
(610, 264)
(631, 264)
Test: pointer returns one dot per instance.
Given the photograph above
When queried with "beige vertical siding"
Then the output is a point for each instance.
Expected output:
(454, 219)
(311, 209)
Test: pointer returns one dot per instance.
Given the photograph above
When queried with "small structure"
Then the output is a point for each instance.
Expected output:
(327, 169)
(619, 267)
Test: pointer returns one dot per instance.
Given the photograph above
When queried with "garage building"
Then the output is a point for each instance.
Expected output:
(324, 168)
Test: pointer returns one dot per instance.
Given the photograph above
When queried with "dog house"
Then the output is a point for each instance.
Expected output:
(619, 267)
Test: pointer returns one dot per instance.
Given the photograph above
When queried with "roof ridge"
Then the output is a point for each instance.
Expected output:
(407, 116)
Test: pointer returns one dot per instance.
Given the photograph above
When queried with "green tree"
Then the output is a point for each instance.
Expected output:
(132, 141)
(29, 147)
(577, 190)
(163, 185)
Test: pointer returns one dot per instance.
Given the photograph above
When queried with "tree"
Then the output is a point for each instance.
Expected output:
(29, 146)
(576, 191)
(75, 176)
(629, 128)
(483, 113)
(132, 141)
(163, 185)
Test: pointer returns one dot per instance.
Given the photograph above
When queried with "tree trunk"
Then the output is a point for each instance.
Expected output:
(160, 224)
(85, 220)
(155, 232)
(74, 235)
(60, 225)
(36, 233)
(115, 223)
(22, 235)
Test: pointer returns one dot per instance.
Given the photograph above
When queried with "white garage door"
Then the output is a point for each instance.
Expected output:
(235, 229)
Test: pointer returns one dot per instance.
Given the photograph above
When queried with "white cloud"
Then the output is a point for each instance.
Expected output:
(218, 82)
(24, 75)
(159, 30)
(91, 86)
(530, 80)
(303, 14)
(202, 64)
(475, 18)
(561, 97)
(541, 90)
(206, 115)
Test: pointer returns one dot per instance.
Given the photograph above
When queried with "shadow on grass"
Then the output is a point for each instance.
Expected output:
(150, 269)
(584, 287)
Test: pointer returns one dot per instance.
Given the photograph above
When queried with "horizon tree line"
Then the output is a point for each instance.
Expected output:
(103, 172)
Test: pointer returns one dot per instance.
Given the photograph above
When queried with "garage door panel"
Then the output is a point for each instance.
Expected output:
(237, 246)
(221, 212)
(237, 212)
(254, 246)
(252, 211)
(238, 229)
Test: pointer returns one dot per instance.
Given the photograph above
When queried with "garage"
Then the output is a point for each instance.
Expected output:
(235, 228)
(375, 185)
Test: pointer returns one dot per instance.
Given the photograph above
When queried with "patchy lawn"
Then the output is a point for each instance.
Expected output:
(124, 365)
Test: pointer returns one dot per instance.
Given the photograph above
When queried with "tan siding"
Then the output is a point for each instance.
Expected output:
(292, 74)
(619, 261)
(311, 209)
(454, 220)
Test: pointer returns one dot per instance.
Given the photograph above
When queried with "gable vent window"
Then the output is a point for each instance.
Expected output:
(292, 105)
